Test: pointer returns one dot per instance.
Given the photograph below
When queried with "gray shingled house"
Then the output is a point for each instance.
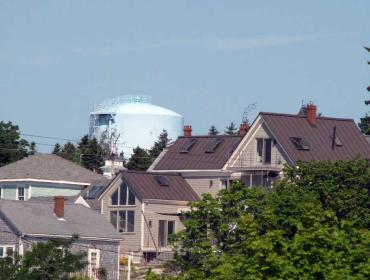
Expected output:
(23, 223)
(257, 157)
(45, 175)
(145, 208)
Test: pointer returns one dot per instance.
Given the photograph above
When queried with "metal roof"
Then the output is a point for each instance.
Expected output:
(147, 185)
(319, 137)
(198, 156)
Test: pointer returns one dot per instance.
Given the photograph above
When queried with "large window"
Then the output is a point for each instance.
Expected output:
(6, 251)
(165, 230)
(20, 193)
(264, 150)
(123, 220)
(123, 196)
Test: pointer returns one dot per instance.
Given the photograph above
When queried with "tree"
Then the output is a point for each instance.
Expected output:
(231, 129)
(213, 131)
(159, 145)
(51, 260)
(12, 147)
(365, 121)
(139, 160)
(69, 151)
(57, 149)
(315, 225)
(91, 154)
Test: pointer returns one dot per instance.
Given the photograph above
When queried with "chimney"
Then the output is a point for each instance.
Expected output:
(59, 206)
(244, 127)
(311, 114)
(187, 130)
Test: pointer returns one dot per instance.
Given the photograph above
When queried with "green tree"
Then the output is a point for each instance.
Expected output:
(51, 260)
(365, 121)
(91, 154)
(69, 151)
(213, 131)
(315, 225)
(231, 129)
(57, 149)
(12, 147)
(139, 160)
(159, 145)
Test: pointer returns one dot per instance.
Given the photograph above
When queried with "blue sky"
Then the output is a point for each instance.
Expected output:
(206, 60)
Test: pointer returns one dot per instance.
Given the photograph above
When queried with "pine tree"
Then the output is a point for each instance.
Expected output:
(69, 152)
(365, 121)
(140, 160)
(57, 149)
(159, 145)
(213, 131)
(231, 129)
(91, 154)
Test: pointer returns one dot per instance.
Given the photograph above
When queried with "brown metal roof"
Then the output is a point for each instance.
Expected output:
(145, 186)
(319, 137)
(197, 157)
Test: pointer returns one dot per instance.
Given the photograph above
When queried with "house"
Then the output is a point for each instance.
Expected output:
(146, 208)
(201, 160)
(45, 175)
(258, 156)
(23, 223)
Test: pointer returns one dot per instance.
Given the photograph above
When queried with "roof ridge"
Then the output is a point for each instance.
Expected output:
(302, 116)
(211, 136)
(151, 173)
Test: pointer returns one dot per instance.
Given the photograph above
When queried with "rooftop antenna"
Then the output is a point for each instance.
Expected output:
(247, 110)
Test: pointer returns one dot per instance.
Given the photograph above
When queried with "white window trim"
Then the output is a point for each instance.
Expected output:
(90, 268)
(17, 193)
(5, 248)
(118, 189)
(126, 216)
(262, 160)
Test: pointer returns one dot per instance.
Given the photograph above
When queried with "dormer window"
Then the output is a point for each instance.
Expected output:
(300, 143)
(123, 196)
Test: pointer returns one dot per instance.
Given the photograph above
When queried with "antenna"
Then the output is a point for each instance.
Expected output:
(247, 110)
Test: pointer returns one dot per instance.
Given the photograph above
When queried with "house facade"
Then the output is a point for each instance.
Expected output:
(44, 175)
(146, 208)
(24, 223)
(258, 155)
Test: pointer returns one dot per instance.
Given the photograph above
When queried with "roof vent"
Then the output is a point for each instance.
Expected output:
(300, 143)
(213, 144)
(188, 145)
(162, 181)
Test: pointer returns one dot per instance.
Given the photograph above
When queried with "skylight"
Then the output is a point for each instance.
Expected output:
(188, 145)
(213, 144)
(300, 143)
(162, 181)
(94, 192)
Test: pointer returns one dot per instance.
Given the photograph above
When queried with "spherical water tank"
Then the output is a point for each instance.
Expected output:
(134, 121)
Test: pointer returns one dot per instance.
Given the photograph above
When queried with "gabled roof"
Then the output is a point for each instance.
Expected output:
(198, 156)
(34, 218)
(319, 137)
(146, 185)
(51, 168)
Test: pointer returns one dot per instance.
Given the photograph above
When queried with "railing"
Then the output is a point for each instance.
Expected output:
(95, 274)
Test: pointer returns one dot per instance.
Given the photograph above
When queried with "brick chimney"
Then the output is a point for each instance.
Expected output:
(311, 113)
(244, 127)
(59, 206)
(187, 130)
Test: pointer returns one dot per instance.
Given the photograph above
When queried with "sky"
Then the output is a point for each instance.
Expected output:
(205, 59)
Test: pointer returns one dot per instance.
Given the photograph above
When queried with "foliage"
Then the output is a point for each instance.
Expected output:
(88, 153)
(13, 147)
(213, 131)
(231, 129)
(159, 145)
(315, 225)
(51, 260)
(365, 121)
(140, 160)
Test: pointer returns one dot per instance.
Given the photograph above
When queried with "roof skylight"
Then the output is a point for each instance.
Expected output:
(300, 143)
(188, 145)
(213, 144)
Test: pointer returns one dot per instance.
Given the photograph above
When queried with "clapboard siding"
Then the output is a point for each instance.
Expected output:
(203, 185)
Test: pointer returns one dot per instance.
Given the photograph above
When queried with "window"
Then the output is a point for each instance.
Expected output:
(93, 263)
(187, 146)
(6, 251)
(123, 220)
(20, 193)
(224, 184)
(165, 230)
(213, 144)
(162, 181)
(1, 193)
(300, 143)
(264, 150)
(123, 196)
